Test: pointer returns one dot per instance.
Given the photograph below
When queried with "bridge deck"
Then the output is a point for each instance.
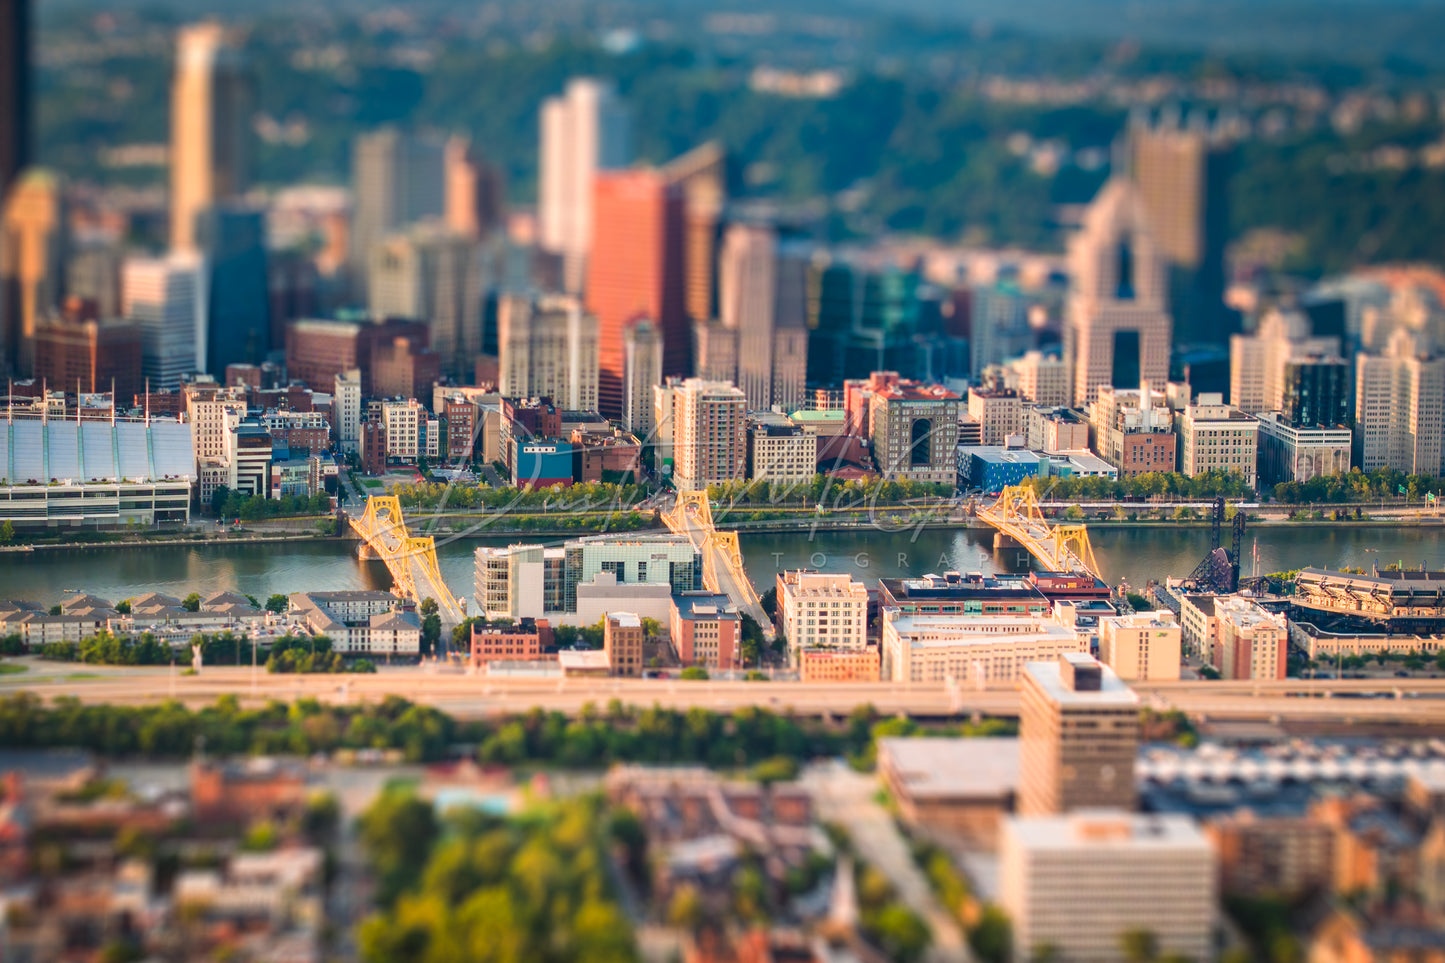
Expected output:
(411, 560)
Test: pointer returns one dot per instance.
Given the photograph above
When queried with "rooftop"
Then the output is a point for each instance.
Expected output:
(704, 605)
(1106, 829)
(943, 767)
(1112, 691)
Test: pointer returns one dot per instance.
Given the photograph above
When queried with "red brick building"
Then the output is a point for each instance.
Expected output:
(706, 630)
(523, 642)
(404, 367)
(373, 447)
(94, 354)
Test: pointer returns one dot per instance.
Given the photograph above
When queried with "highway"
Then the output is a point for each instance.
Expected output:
(1419, 701)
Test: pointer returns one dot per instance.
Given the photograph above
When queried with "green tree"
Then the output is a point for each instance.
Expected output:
(397, 831)
(431, 626)
(277, 603)
(7, 533)
(1139, 946)
(992, 936)
(192, 602)
(694, 673)
(899, 932)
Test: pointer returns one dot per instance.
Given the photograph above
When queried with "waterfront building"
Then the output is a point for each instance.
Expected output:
(1079, 732)
(1400, 407)
(585, 131)
(709, 434)
(1143, 647)
(165, 299)
(1140, 872)
(822, 611)
(780, 452)
(635, 271)
(211, 103)
(1252, 644)
(1133, 430)
(999, 413)
(565, 584)
(1215, 437)
(622, 640)
(95, 473)
(1117, 324)
(548, 349)
(992, 469)
(706, 630)
(914, 431)
(975, 650)
(365, 623)
(1199, 628)
(33, 252)
(541, 462)
(953, 593)
(1291, 453)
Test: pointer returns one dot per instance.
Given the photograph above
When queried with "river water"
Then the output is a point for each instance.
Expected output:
(1134, 554)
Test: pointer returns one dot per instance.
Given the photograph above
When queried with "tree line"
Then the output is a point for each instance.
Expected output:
(596, 738)
(226, 503)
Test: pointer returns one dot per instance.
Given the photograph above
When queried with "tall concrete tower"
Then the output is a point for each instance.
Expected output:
(210, 116)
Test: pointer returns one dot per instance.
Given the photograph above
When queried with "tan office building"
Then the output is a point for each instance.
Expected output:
(210, 126)
(1143, 647)
(1079, 732)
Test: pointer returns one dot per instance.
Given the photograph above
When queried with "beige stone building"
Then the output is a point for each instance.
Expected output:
(998, 411)
(1214, 436)
(1143, 647)
(547, 348)
(709, 434)
(822, 611)
(1077, 883)
(622, 638)
(1079, 732)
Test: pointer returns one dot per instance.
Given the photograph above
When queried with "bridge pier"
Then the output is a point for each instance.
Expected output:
(365, 552)
(1000, 540)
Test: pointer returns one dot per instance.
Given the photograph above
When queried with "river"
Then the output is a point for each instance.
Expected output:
(1134, 554)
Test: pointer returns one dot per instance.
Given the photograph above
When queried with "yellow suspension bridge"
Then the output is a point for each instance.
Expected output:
(411, 559)
(722, 560)
(1058, 548)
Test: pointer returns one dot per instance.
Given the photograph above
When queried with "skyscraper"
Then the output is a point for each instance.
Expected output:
(548, 349)
(763, 294)
(636, 272)
(397, 179)
(709, 423)
(584, 131)
(432, 276)
(702, 175)
(238, 309)
(210, 124)
(166, 298)
(1400, 407)
(1117, 329)
(14, 91)
(642, 367)
(475, 191)
(32, 264)
(1183, 174)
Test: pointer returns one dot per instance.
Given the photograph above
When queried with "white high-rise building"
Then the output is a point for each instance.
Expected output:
(1117, 328)
(405, 423)
(210, 126)
(1400, 407)
(585, 130)
(348, 409)
(1078, 883)
(641, 373)
(1214, 436)
(166, 297)
(547, 349)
